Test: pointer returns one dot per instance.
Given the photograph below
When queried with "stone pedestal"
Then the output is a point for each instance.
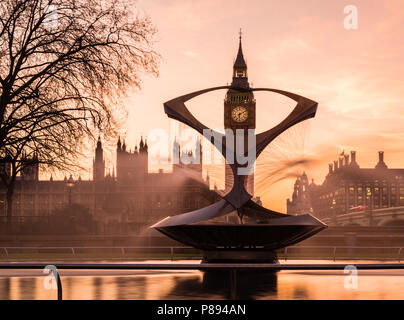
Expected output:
(240, 256)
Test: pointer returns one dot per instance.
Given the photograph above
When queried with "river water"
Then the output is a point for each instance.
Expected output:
(123, 284)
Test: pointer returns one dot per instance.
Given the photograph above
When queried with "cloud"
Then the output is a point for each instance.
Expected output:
(190, 54)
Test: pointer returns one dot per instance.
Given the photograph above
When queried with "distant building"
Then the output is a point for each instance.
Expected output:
(131, 165)
(133, 195)
(346, 187)
(301, 202)
(99, 162)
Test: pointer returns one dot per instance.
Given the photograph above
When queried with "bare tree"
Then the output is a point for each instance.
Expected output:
(64, 65)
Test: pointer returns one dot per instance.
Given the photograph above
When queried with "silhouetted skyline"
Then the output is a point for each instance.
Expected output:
(355, 76)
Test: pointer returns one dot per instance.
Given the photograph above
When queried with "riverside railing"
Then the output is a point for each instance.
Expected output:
(183, 252)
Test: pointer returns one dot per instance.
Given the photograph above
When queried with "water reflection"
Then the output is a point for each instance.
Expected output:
(242, 285)
(25, 284)
(80, 284)
(300, 293)
(5, 289)
(97, 284)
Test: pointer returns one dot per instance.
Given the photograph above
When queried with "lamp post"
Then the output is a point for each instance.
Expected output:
(2, 209)
(334, 211)
(369, 195)
(70, 185)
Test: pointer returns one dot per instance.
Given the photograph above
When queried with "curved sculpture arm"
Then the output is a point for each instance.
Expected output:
(304, 109)
(217, 209)
(177, 110)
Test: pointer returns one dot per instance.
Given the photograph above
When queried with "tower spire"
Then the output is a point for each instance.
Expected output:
(240, 62)
(99, 162)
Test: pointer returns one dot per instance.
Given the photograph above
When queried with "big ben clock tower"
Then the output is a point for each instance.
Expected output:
(239, 110)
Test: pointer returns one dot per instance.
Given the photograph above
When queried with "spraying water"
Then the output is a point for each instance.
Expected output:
(285, 158)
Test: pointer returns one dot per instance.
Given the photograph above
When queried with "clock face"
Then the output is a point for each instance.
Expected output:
(239, 114)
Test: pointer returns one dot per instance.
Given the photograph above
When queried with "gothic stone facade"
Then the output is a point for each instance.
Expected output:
(133, 195)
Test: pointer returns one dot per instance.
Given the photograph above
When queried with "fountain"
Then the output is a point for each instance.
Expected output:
(258, 232)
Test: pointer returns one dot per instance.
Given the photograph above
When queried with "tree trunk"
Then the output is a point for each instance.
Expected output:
(9, 198)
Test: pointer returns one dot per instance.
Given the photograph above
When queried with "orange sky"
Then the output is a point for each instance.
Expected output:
(295, 45)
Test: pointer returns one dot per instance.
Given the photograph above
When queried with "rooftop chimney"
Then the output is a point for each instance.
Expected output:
(381, 164)
(329, 168)
(341, 163)
(335, 165)
(353, 159)
(346, 156)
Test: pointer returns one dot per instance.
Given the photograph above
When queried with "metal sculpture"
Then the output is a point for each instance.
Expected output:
(266, 230)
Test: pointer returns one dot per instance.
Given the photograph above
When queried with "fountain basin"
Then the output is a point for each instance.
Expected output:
(275, 234)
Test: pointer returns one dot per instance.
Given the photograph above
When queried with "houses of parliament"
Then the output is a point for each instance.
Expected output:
(132, 195)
